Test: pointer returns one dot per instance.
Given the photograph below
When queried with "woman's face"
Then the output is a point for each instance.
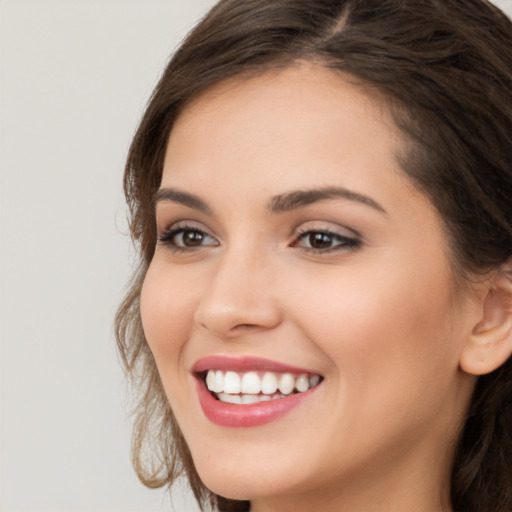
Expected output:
(294, 251)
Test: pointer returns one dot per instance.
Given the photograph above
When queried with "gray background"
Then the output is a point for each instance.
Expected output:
(74, 77)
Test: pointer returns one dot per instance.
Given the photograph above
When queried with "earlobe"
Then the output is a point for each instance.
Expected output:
(490, 341)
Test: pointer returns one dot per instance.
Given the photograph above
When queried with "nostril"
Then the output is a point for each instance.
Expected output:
(246, 327)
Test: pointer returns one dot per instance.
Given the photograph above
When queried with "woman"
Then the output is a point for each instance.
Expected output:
(322, 319)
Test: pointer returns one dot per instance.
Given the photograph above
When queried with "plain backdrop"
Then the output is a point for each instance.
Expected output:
(74, 78)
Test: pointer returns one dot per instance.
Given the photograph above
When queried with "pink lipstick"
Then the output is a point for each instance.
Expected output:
(248, 392)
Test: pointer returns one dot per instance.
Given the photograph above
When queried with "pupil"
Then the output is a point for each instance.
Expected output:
(192, 238)
(320, 240)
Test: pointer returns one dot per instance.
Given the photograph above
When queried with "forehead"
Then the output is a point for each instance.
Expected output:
(300, 126)
(312, 86)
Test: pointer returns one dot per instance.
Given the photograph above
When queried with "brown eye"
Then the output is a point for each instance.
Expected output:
(190, 238)
(325, 241)
(186, 238)
(320, 240)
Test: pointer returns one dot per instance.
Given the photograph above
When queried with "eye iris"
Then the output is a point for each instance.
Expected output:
(320, 240)
(192, 238)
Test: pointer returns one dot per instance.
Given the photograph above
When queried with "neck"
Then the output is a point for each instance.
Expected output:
(359, 499)
(407, 485)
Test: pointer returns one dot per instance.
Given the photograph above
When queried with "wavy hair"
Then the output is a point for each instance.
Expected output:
(444, 68)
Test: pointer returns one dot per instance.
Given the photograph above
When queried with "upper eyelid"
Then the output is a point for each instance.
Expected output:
(170, 208)
(329, 227)
(181, 224)
(176, 228)
(330, 232)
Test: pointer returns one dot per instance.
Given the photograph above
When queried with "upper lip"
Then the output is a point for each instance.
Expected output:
(244, 364)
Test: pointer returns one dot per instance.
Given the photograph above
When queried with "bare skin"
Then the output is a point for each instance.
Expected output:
(371, 305)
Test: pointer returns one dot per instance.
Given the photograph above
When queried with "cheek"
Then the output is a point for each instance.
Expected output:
(391, 330)
(167, 308)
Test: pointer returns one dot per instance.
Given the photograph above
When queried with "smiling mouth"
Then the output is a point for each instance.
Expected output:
(253, 386)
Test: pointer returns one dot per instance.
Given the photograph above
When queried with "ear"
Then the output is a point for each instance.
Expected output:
(490, 342)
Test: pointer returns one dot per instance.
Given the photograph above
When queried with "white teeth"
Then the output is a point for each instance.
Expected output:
(244, 399)
(251, 384)
(231, 383)
(218, 383)
(302, 383)
(250, 399)
(210, 380)
(314, 380)
(230, 399)
(286, 383)
(269, 383)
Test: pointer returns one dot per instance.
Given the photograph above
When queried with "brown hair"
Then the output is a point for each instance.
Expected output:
(445, 70)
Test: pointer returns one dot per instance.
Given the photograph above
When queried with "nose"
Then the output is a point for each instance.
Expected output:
(239, 297)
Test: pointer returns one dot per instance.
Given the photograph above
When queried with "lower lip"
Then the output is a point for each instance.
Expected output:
(248, 415)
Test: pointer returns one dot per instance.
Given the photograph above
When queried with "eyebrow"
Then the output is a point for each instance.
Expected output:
(181, 197)
(278, 204)
(301, 198)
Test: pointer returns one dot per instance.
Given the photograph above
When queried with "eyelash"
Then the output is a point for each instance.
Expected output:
(345, 243)
(168, 238)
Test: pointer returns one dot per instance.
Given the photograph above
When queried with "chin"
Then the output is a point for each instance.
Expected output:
(242, 489)
(236, 480)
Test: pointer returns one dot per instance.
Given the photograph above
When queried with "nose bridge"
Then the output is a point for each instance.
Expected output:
(239, 293)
